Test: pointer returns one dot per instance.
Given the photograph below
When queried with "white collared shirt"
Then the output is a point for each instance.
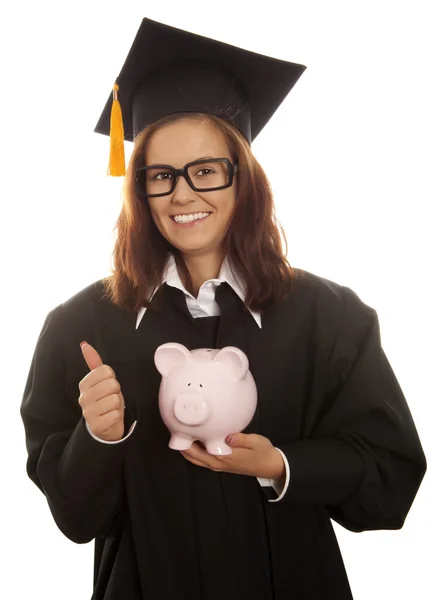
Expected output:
(205, 305)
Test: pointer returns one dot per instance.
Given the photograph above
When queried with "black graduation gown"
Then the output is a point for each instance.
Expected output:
(165, 529)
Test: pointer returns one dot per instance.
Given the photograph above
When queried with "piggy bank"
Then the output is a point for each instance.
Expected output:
(204, 395)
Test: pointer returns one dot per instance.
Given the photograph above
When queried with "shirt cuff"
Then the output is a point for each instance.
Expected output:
(276, 484)
(116, 441)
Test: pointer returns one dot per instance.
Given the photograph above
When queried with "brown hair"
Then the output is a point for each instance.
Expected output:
(252, 241)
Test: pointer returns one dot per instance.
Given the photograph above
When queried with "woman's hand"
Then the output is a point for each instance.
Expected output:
(101, 399)
(252, 455)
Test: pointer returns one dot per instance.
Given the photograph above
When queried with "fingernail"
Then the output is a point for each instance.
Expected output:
(82, 343)
(231, 439)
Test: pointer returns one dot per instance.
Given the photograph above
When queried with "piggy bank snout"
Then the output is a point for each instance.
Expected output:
(191, 409)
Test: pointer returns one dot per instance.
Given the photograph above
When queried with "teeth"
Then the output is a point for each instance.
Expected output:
(190, 218)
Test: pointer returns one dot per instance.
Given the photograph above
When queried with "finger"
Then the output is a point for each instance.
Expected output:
(215, 462)
(96, 377)
(91, 356)
(194, 461)
(106, 388)
(109, 403)
(241, 440)
(198, 451)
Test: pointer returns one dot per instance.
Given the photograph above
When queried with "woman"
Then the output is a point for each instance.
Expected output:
(332, 437)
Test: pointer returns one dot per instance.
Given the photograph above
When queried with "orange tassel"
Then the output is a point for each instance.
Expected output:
(117, 165)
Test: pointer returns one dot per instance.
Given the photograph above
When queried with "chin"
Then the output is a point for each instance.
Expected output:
(192, 249)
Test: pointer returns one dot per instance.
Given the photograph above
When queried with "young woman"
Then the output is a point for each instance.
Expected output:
(198, 260)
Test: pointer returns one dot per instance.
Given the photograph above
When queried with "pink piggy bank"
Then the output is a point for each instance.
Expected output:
(204, 395)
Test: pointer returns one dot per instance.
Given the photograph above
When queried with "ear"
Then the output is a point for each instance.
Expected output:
(170, 356)
(234, 359)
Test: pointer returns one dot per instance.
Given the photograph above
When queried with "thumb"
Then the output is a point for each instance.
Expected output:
(91, 357)
(241, 440)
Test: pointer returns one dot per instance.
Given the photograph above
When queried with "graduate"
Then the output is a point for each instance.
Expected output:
(198, 260)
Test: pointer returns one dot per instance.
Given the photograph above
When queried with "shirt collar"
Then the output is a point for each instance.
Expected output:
(226, 274)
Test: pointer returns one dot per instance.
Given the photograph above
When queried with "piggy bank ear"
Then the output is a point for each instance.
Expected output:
(235, 359)
(170, 356)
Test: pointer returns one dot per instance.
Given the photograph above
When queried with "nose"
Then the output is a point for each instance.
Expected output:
(182, 190)
(191, 409)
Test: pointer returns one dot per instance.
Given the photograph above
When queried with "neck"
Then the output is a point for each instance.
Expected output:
(201, 268)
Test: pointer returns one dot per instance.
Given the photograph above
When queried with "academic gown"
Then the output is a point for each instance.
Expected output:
(167, 529)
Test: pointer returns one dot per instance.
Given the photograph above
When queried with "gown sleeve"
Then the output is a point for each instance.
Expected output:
(81, 478)
(364, 459)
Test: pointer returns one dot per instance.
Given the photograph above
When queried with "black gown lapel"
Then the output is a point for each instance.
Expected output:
(238, 328)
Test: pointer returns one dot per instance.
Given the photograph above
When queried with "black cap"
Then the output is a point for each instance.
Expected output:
(169, 70)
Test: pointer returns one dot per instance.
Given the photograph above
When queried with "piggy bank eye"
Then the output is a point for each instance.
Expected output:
(200, 385)
(189, 384)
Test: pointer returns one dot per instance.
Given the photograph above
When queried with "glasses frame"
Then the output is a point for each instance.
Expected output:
(183, 172)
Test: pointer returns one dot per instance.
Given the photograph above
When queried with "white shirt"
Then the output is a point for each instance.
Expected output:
(205, 305)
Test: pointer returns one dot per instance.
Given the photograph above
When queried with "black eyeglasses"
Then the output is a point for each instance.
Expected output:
(205, 175)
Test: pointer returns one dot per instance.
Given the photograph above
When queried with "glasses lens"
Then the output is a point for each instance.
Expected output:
(209, 175)
(158, 180)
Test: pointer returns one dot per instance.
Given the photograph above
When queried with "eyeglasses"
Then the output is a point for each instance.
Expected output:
(202, 176)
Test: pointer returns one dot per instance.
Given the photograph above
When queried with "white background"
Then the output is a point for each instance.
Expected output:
(357, 159)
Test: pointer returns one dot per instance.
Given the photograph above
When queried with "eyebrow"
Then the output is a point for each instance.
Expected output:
(200, 158)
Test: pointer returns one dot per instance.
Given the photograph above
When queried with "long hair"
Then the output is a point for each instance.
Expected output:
(252, 240)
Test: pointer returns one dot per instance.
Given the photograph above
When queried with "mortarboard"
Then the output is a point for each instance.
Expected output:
(169, 70)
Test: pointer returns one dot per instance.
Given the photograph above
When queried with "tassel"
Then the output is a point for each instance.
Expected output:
(117, 165)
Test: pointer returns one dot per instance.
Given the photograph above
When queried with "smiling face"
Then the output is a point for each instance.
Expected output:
(177, 144)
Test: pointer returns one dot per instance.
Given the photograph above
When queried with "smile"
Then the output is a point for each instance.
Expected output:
(188, 219)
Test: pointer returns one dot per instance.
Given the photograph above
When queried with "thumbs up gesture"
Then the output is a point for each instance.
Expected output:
(101, 399)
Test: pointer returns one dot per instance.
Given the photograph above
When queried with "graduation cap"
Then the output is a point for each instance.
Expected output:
(168, 70)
